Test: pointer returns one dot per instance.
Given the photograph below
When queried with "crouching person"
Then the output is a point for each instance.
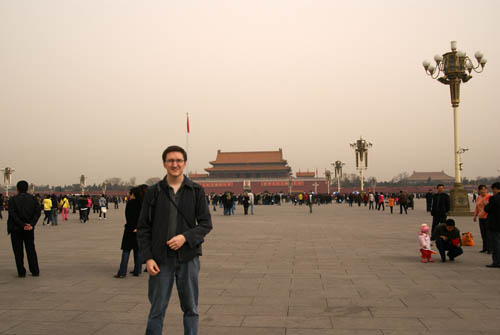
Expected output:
(448, 239)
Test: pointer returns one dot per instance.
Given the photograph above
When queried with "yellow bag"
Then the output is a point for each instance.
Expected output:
(467, 239)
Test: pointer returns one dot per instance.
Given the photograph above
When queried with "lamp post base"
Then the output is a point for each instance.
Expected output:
(459, 201)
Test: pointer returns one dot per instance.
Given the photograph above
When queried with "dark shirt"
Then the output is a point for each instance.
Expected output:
(493, 210)
(173, 215)
(440, 204)
(452, 236)
(23, 210)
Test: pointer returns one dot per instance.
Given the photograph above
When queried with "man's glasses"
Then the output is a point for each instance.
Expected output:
(172, 161)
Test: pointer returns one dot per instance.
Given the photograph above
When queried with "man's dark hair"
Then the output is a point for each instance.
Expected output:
(496, 185)
(450, 222)
(439, 185)
(22, 186)
(174, 148)
(480, 187)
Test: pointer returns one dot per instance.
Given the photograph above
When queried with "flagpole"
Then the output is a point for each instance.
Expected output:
(187, 140)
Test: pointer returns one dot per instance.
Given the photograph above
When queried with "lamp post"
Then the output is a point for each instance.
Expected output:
(328, 177)
(104, 187)
(456, 68)
(7, 174)
(83, 183)
(32, 188)
(290, 184)
(361, 147)
(338, 173)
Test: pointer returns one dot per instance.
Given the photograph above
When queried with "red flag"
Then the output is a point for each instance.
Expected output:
(188, 123)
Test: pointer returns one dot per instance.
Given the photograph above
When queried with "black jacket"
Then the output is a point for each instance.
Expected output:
(493, 210)
(153, 222)
(23, 210)
(132, 212)
(440, 204)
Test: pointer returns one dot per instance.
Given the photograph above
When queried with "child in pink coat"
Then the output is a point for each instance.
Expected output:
(424, 241)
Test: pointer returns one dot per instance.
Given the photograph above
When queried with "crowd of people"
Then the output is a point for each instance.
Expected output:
(149, 225)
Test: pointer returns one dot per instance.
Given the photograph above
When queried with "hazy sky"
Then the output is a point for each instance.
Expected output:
(101, 87)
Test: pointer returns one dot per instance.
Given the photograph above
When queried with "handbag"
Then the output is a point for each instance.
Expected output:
(467, 239)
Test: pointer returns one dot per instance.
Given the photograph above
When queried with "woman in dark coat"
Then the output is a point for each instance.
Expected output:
(129, 240)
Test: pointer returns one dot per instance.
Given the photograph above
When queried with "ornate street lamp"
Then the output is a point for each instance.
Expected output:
(32, 188)
(361, 147)
(104, 187)
(7, 174)
(338, 173)
(83, 183)
(328, 177)
(455, 67)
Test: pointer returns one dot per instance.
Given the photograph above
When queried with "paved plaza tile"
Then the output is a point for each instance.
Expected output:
(282, 271)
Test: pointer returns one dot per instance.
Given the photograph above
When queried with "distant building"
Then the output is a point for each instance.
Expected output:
(250, 164)
(305, 174)
(429, 178)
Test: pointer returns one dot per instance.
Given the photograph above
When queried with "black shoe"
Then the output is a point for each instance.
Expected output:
(493, 266)
(489, 252)
(35, 274)
(22, 276)
(452, 259)
(443, 259)
(483, 250)
(119, 276)
(135, 274)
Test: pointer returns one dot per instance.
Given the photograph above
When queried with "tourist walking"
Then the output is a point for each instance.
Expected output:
(173, 223)
(82, 208)
(403, 202)
(493, 210)
(371, 199)
(479, 212)
(64, 204)
(129, 239)
(103, 207)
(251, 200)
(55, 209)
(440, 207)
(47, 209)
(381, 202)
(24, 212)
(246, 203)
(391, 202)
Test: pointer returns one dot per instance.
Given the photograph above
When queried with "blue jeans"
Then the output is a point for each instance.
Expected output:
(160, 289)
(54, 217)
(124, 263)
(251, 209)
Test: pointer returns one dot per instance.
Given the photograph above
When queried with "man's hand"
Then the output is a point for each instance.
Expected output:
(152, 267)
(444, 237)
(475, 218)
(176, 242)
(28, 227)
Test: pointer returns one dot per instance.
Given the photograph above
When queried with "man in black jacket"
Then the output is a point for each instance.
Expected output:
(440, 207)
(173, 223)
(493, 210)
(24, 212)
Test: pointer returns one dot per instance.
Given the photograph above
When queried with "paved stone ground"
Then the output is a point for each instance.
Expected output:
(282, 271)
